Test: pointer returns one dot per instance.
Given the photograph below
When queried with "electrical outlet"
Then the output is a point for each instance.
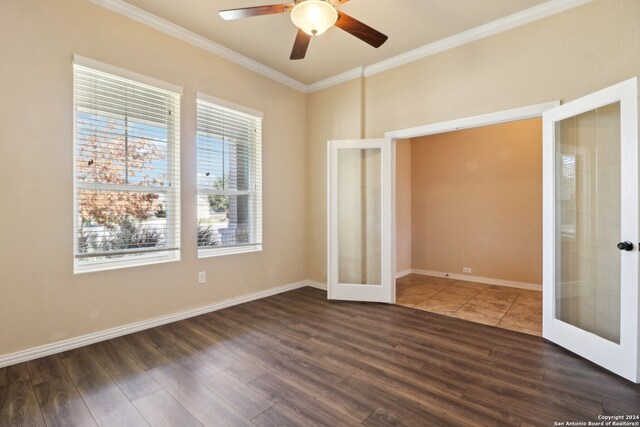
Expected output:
(466, 270)
(202, 277)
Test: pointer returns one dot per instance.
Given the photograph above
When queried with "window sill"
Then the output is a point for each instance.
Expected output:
(95, 266)
(214, 252)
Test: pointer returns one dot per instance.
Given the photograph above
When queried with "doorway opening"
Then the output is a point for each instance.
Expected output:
(469, 220)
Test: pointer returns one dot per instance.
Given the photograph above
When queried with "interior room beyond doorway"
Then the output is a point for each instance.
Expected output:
(469, 224)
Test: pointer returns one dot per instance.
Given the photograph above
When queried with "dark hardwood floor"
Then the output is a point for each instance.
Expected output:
(298, 359)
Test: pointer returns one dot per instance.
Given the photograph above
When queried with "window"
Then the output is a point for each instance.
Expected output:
(567, 192)
(127, 209)
(229, 178)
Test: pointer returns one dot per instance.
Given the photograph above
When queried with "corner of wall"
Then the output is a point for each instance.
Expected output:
(332, 113)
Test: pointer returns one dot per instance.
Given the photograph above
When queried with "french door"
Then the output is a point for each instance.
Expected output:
(590, 227)
(360, 217)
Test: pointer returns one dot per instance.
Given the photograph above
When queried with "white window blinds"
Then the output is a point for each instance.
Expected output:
(229, 179)
(126, 171)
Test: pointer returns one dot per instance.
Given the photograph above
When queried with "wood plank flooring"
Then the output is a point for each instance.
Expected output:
(296, 359)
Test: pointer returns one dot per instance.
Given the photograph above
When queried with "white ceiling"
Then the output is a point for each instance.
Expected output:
(409, 24)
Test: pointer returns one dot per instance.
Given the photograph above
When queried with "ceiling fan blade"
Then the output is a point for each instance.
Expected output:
(364, 32)
(338, 2)
(246, 12)
(300, 45)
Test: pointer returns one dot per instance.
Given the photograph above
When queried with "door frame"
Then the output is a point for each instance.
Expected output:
(504, 116)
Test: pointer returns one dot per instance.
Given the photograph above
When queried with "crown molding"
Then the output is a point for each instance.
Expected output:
(144, 17)
(355, 73)
(535, 13)
(524, 17)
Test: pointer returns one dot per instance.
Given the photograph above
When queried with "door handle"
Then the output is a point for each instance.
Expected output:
(625, 246)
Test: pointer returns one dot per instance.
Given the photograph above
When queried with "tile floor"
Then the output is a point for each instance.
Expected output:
(509, 308)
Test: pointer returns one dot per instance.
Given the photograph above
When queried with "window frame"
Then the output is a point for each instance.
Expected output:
(255, 195)
(171, 192)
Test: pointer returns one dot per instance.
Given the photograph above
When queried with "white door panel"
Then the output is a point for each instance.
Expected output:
(360, 247)
(590, 205)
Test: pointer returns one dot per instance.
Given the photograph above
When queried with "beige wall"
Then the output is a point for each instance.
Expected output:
(334, 113)
(403, 205)
(41, 301)
(561, 57)
(477, 201)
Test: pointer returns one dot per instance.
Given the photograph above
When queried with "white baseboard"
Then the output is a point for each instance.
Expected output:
(403, 273)
(317, 285)
(478, 279)
(69, 344)
(83, 340)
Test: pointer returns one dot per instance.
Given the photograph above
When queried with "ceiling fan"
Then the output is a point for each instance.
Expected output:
(312, 17)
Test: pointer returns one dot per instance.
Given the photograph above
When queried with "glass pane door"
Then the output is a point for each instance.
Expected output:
(588, 221)
(590, 228)
(360, 220)
(359, 211)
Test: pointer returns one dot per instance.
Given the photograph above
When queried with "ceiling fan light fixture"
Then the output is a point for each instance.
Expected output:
(314, 17)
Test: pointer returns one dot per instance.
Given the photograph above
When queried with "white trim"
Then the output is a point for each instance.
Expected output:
(478, 279)
(209, 252)
(126, 74)
(518, 19)
(353, 74)
(403, 273)
(524, 17)
(83, 340)
(171, 255)
(392, 220)
(520, 113)
(317, 285)
(137, 14)
(228, 104)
